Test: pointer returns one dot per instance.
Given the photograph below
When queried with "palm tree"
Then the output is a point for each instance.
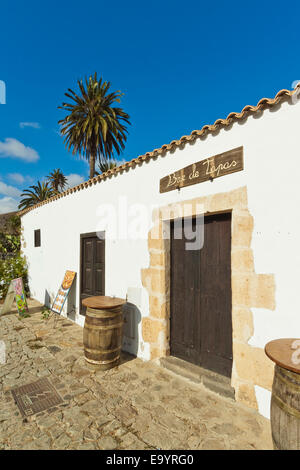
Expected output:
(94, 127)
(105, 166)
(57, 180)
(39, 192)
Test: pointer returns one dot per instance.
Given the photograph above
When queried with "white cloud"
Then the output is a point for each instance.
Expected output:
(9, 190)
(18, 178)
(121, 162)
(74, 180)
(35, 125)
(15, 149)
(8, 204)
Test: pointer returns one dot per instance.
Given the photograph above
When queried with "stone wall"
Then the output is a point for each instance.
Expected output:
(249, 290)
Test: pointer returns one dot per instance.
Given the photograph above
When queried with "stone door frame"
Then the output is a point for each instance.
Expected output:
(249, 290)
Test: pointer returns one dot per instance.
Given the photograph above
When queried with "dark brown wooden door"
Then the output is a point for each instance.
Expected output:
(201, 325)
(92, 267)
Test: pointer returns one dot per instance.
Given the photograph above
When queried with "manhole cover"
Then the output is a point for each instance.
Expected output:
(36, 397)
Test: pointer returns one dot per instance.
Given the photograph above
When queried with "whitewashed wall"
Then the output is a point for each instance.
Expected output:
(272, 162)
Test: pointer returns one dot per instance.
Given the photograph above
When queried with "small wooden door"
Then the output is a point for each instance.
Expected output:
(92, 280)
(201, 325)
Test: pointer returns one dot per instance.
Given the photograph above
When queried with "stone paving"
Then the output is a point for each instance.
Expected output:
(138, 405)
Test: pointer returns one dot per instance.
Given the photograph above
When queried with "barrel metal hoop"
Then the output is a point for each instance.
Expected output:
(284, 407)
(109, 327)
(95, 313)
(102, 362)
(290, 383)
(101, 351)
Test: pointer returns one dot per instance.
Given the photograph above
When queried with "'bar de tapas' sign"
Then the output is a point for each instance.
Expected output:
(63, 292)
(208, 169)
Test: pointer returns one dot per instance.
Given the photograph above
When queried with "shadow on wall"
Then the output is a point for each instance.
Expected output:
(132, 318)
(47, 299)
(70, 303)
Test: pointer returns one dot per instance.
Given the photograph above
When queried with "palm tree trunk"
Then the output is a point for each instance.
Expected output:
(92, 166)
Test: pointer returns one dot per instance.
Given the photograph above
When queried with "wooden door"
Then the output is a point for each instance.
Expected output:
(92, 280)
(201, 325)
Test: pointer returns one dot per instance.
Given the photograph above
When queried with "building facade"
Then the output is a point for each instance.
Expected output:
(235, 183)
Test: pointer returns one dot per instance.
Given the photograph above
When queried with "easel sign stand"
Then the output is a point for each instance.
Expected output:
(63, 292)
(15, 292)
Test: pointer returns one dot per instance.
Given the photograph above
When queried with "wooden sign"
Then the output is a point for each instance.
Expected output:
(63, 292)
(205, 170)
(15, 292)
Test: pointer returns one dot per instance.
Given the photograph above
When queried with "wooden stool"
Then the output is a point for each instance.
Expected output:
(102, 333)
(285, 401)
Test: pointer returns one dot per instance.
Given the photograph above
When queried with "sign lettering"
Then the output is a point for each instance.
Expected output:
(205, 170)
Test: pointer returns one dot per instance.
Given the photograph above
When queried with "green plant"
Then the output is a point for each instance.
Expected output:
(46, 313)
(24, 315)
(14, 223)
(12, 268)
(10, 236)
(94, 127)
(9, 243)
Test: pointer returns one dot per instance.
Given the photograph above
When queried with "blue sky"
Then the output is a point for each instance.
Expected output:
(180, 64)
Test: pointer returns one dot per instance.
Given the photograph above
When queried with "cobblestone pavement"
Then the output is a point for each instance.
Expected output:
(138, 405)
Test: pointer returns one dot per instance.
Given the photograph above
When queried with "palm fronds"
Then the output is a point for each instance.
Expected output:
(94, 127)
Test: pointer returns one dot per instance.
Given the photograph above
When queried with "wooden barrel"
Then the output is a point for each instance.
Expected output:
(285, 400)
(103, 330)
(285, 410)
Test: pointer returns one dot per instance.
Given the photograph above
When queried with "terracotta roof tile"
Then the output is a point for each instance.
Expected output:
(262, 104)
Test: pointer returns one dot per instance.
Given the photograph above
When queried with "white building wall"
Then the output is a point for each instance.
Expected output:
(271, 173)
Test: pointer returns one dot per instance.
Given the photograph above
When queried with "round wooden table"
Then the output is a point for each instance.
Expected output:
(103, 302)
(103, 330)
(285, 401)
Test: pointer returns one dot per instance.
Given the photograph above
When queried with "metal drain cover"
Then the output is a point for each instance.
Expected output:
(36, 397)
